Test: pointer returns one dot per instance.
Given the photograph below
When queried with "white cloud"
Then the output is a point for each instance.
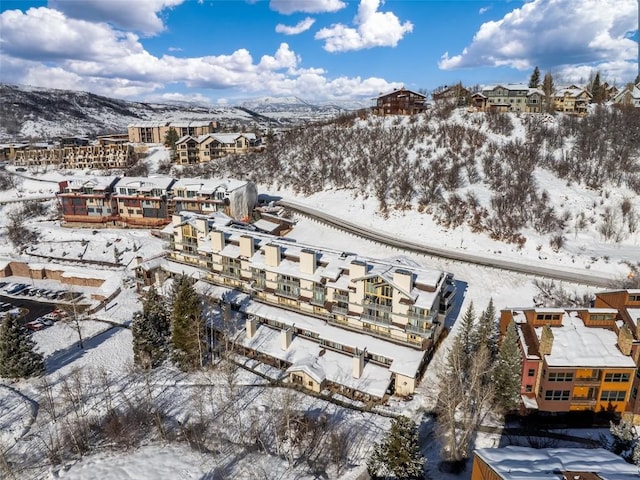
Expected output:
(178, 97)
(287, 7)
(298, 28)
(373, 29)
(174, 49)
(138, 15)
(553, 33)
(484, 10)
(43, 47)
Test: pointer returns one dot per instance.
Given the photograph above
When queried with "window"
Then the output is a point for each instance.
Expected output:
(634, 298)
(556, 395)
(560, 376)
(528, 388)
(613, 395)
(311, 383)
(634, 393)
(616, 377)
(531, 372)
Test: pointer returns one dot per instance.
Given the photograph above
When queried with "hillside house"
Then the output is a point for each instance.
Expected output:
(456, 95)
(330, 319)
(572, 99)
(628, 96)
(510, 98)
(400, 102)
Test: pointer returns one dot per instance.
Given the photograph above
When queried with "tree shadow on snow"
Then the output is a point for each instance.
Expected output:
(461, 290)
(64, 357)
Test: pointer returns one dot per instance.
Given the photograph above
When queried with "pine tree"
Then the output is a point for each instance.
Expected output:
(508, 371)
(18, 358)
(534, 81)
(398, 455)
(486, 332)
(467, 329)
(151, 330)
(623, 437)
(596, 90)
(170, 139)
(187, 326)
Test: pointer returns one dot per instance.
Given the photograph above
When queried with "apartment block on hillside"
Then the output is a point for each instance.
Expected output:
(312, 310)
(156, 132)
(102, 155)
(572, 99)
(143, 201)
(204, 148)
(574, 359)
(399, 102)
(88, 200)
(235, 198)
(509, 98)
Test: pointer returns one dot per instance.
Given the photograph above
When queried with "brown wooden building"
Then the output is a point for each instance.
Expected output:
(400, 102)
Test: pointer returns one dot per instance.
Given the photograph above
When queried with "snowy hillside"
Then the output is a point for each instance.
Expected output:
(42, 114)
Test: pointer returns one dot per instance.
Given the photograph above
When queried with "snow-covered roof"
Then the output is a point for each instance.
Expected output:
(207, 185)
(405, 360)
(95, 182)
(146, 182)
(575, 345)
(318, 362)
(571, 92)
(400, 90)
(518, 463)
(179, 124)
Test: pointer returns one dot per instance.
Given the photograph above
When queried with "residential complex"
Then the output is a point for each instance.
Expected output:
(156, 132)
(629, 96)
(519, 463)
(508, 98)
(150, 201)
(330, 319)
(580, 358)
(204, 148)
(571, 99)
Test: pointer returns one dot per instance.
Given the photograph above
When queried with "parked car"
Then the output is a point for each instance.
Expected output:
(17, 288)
(45, 321)
(34, 326)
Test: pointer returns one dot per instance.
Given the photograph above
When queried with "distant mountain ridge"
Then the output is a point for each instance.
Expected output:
(36, 113)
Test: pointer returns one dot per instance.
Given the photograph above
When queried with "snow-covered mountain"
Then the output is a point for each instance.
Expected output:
(42, 113)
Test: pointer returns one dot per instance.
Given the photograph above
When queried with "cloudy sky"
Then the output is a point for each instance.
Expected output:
(220, 51)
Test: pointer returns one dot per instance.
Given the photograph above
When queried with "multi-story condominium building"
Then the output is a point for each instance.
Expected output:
(205, 148)
(520, 463)
(330, 319)
(235, 198)
(155, 132)
(571, 99)
(577, 359)
(509, 98)
(151, 201)
(88, 200)
(399, 102)
(99, 156)
(143, 201)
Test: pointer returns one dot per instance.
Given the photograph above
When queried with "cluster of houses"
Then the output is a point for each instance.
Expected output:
(150, 201)
(195, 142)
(571, 99)
(330, 320)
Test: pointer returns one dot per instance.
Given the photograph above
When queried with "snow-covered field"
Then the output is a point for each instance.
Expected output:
(108, 348)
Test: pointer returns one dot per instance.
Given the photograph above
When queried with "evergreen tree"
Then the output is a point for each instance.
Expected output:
(187, 326)
(170, 139)
(548, 88)
(534, 81)
(398, 455)
(151, 330)
(467, 329)
(18, 358)
(508, 371)
(597, 93)
(486, 332)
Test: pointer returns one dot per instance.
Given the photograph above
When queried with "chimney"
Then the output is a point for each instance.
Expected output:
(251, 325)
(246, 246)
(139, 259)
(358, 362)
(403, 279)
(217, 240)
(357, 268)
(272, 255)
(201, 225)
(546, 341)
(625, 340)
(308, 261)
(285, 338)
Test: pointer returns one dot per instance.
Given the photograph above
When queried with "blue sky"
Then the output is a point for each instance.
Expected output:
(222, 51)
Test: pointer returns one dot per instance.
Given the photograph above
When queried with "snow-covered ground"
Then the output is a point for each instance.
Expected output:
(108, 348)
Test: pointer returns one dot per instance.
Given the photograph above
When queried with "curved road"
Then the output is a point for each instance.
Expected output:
(596, 280)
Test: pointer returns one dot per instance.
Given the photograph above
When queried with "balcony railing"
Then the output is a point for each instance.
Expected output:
(339, 310)
(375, 319)
(377, 307)
(584, 400)
(340, 297)
(423, 332)
(319, 302)
(587, 381)
(294, 294)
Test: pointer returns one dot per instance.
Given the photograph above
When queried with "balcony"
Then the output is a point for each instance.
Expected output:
(339, 297)
(318, 302)
(375, 319)
(339, 310)
(587, 381)
(590, 401)
(288, 293)
(423, 332)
